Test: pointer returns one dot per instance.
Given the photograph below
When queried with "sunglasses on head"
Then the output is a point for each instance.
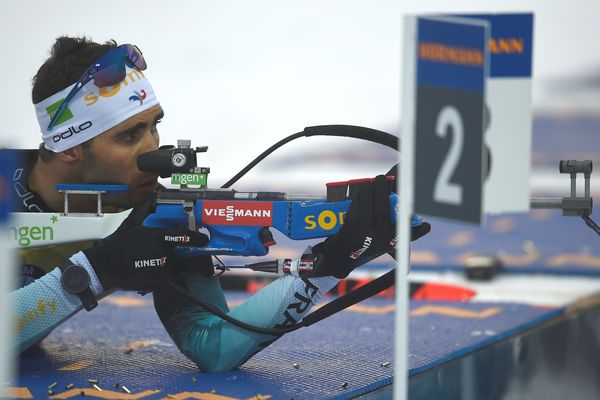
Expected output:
(107, 70)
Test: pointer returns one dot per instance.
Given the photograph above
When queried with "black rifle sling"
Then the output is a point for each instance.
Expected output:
(355, 296)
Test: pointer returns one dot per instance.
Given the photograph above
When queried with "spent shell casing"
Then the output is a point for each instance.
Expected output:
(69, 386)
(50, 392)
(296, 365)
(125, 389)
(97, 387)
(345, 385)
(52, 385)
(93, 381)
(385, 364)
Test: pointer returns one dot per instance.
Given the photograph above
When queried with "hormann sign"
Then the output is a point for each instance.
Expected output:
(451, 70)
(508, 97)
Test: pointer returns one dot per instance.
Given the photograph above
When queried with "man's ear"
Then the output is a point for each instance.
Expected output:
(71, 156)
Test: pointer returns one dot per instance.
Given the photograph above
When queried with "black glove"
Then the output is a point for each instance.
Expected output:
(196, 263)
(420, 230)
(139, 258)
(367, 232)
(416, 231)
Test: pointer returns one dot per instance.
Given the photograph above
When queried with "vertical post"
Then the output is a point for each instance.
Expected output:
(99, 202)
(405, 209)
(439, 95)
(587, 185)
(7, 354)
(66, 193)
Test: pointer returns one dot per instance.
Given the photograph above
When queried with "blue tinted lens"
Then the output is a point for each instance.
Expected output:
(110, 68)
(134, 55)
(109, 75)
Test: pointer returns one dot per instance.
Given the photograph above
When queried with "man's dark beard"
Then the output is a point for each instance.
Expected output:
(90, 172)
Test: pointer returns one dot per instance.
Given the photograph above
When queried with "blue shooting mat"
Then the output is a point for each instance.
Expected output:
(122, 342)
(541, 241)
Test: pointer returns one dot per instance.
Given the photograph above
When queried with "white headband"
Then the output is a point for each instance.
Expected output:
(93, 110)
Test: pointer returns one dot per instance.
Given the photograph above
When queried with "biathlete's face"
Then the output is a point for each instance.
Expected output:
(112, 158)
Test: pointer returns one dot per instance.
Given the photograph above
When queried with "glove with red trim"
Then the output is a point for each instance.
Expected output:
(366, 234)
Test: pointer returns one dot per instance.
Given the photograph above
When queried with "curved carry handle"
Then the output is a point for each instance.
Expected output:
(235, 226)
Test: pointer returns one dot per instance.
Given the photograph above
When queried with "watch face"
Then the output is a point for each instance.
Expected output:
(75, 279)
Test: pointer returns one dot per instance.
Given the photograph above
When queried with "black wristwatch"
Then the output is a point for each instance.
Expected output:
(76, 280)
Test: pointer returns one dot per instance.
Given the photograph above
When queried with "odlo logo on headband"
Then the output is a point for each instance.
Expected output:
(66, 115)
(71, 131)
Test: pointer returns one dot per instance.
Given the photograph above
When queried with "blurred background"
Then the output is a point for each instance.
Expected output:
(239, 76)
